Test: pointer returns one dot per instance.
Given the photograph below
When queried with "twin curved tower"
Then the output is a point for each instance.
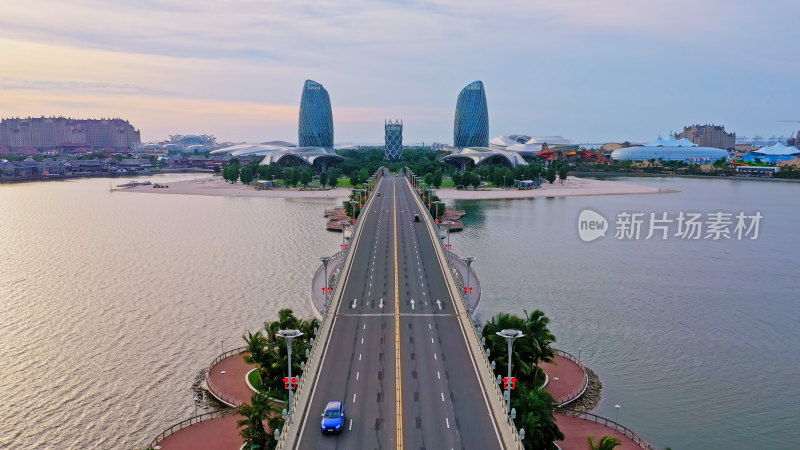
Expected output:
(471, 128)
(316, 119)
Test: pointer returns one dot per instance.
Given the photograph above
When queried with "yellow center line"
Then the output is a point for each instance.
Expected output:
(397, 373)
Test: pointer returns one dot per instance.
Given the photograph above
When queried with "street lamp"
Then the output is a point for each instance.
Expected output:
(223, 382)
(618, 407)
(353, 203)
(343, 224)
(325, 260)
(289, 335)
(468, 260)
(510, 336)
(196, 403)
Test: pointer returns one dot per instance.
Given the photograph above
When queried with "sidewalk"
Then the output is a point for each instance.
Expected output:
(564, 377)
(214, 434)
(231, 388)
(576, 431)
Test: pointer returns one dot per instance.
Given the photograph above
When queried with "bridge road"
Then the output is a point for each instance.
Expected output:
(358, 362)
(442, 403)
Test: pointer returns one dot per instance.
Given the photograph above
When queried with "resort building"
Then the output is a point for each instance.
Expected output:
(670, 149)
(772, 154)
(393, 136)
(316, 118)
(315, 133)
(709, 136)
(65, 132)
(529, 146)
(471, 127)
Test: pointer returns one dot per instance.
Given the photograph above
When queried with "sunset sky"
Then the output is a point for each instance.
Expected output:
(591, 71)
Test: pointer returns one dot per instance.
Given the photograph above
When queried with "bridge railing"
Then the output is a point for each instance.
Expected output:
(482, 360)
(324, 330)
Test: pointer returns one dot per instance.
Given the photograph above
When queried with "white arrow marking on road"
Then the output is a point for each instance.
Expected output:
(354, 303)
(412, 303)
(439, 302)
(381, 304)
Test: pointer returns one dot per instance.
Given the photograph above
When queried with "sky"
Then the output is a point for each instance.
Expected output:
(587, 70)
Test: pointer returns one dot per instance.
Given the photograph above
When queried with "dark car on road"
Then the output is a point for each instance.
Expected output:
(333, 418)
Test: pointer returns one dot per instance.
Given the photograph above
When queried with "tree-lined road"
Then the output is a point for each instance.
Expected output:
(396, 302)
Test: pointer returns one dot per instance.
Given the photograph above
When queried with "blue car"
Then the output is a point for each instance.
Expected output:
(333, 418)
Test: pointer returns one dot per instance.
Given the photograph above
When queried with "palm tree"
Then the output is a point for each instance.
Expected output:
(257, 347)
(535, 414)
(539, 337)
(252, 426)
(605, 443)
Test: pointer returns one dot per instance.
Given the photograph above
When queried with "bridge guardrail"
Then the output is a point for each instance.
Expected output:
(502, 417)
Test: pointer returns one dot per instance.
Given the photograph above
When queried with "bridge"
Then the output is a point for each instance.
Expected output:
(397, 344)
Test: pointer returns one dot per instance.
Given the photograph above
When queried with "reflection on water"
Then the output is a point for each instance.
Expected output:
(112, 304)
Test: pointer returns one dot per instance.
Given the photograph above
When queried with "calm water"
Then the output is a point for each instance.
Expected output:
(111, 305)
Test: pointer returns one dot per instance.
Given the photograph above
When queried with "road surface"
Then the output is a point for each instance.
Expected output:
(396, 298)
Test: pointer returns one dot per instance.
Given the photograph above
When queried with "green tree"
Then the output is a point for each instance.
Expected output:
(428, 179)
(436, 179)
(474, 180)
(257, 347)
(246, 174)
(563, 171)
(217, 170)
(535, 414)
(333, 176)
(252, 427)
(231, 173)
(291, 176)
(550, 175)
(363, 176)
(457, 178)
(605, 443)
(323, 178)
(355, 180)
(306, 175)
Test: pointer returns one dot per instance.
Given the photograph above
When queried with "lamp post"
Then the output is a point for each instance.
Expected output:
(343, 224)
(223, 383)
(353, 204)
(509, 336)
(289, 335)
(196, 403)
(618, 407)
(468, 260)
(579, 354)
(325, 260)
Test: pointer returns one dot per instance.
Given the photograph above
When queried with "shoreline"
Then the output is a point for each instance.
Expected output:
(572, 187)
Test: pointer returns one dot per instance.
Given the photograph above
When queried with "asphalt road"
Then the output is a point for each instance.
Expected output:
(442, 405)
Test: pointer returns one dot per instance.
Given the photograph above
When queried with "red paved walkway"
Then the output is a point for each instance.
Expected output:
(570, 376)
(576, 430)
(234, 390)
(214, 434)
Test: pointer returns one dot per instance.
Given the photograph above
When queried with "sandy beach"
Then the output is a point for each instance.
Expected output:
(216, 186)
(572, 187)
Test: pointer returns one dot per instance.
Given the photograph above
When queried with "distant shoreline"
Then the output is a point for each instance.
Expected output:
(572, 187)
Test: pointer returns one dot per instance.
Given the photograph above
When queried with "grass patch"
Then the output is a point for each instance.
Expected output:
(252, 377)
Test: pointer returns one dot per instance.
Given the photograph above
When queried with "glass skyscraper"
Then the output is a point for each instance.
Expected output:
(394, 139)
(316, 118)
(471, 127)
